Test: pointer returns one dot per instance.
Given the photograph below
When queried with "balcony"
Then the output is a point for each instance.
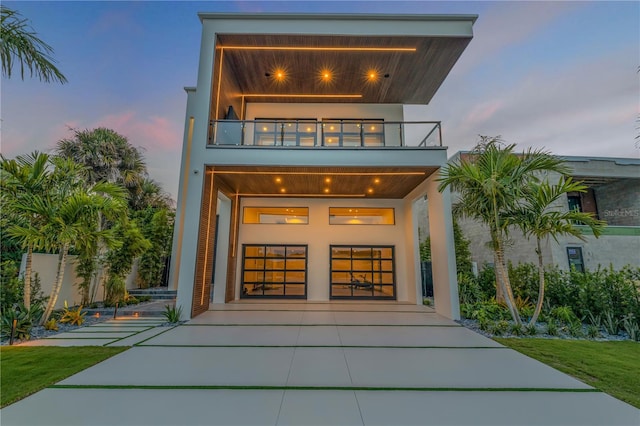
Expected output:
(340, 133)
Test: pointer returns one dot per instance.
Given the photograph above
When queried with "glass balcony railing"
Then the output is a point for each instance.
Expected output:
(326, 133)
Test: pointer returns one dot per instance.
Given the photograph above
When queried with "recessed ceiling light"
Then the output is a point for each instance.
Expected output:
(326, 190)
(376, 180)
(283, 190)
(328, 180)
(370, 190)
(278, 180)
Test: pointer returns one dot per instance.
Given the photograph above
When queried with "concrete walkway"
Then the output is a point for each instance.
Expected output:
(315, 364)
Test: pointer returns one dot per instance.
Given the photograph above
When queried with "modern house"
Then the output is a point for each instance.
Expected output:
(301, 166)
(613, 195)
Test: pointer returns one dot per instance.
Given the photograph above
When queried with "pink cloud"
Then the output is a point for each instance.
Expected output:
(151, 132)
(483, 112)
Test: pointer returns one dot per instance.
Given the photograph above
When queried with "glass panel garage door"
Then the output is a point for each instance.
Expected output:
(362, 272)
(274, 271)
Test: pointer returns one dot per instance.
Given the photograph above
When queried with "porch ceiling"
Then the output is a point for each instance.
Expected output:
(405, 69)
(330, 182)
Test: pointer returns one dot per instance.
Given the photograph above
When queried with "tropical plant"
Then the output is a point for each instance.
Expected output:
(120, 260)
(552, 327)
(611, 323)
(107, 157)
(25, 179)
(631, 327)
(157, 227)
(68, 212)
(24, 319)
(51, 325)
(491, 183)
(21, 44)
(539, 217)
(72, 316)
(172, 314)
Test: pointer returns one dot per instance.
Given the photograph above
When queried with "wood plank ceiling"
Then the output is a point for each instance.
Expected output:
(333, 182)
(400, 76)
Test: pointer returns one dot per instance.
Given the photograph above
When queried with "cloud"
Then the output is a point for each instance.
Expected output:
(150, 132)
(506, 24)
(585, 108)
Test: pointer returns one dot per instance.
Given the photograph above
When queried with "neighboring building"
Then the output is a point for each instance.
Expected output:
(613, 195)
(300, 168)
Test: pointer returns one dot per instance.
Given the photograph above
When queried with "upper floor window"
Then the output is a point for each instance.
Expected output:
(276, 215)
(361, 216)
(353, 132)
(285, 132)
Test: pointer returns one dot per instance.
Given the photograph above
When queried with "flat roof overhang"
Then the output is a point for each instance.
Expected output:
(320, 182)
(337, 58)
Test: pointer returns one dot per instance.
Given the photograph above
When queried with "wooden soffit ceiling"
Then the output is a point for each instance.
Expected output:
(407, 70)
(331, 182)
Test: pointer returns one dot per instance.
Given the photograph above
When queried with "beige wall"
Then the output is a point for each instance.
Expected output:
(46, 265)
(319, 235)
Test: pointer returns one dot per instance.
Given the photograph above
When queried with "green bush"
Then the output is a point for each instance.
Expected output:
(172, 313)
(25, 319)
(468, 289)
(524, 280)
(552, 327)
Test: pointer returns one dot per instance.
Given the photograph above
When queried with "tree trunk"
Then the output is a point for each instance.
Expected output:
(62, 261)
(499, 285)
(538, 309)
(506, 285)
(27, 277)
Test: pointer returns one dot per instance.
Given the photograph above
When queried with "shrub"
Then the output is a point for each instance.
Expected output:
(487, 282)
(564, 315)
(25, 318)
(575, 329)
(468, 289)
(516, 329)
(499, 327)
(524, 280)
(72, 316)
(172, 314)
(610, 323)
(593, 332)
(552, 327)
(52, 324)
(531, 329)
(631, 327)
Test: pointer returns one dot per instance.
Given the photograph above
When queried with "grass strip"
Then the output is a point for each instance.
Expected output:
(28, 369)
(613, 367)
(131, 335)
(79, 338)
(155, 335)
(320, 346)
(329, 388)
(321, 325)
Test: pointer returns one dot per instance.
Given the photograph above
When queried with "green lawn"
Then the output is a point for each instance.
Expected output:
(612, 367)
(26, 370)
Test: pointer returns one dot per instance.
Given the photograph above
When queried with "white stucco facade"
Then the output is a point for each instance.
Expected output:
(218, 180)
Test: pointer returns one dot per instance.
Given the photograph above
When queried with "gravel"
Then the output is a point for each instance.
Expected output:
(562, 334)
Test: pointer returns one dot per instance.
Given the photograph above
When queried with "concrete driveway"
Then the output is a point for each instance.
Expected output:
(317, 364)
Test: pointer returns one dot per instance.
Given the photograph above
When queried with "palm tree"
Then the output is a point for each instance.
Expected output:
(23, 177)
(539, 218)
(19, 43)
(107, 157)
(491, 182)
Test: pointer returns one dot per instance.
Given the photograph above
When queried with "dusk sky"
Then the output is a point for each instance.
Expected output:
(558, 75)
